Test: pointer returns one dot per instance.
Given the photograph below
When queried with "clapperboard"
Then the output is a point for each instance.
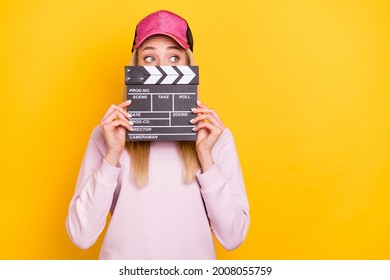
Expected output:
(162, 98)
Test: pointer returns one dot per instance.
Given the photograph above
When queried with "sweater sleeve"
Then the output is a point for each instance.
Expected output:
(224, 195)
(93, 196)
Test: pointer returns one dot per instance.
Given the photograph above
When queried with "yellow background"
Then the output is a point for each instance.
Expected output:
(303, 85)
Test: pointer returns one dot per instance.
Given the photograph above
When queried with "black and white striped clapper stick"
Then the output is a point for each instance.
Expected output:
(161, 75)
(162, 98)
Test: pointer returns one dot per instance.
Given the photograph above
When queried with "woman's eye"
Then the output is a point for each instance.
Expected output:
(149, 59)
(174, 59)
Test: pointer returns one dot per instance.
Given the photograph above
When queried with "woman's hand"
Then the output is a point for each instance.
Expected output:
(209, 128)
(114, 125)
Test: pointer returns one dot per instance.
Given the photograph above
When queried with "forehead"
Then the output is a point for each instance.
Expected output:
(159, 41)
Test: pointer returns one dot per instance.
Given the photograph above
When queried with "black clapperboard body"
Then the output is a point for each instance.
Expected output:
(162, 98)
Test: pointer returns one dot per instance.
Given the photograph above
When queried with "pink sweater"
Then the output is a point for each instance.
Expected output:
(167, 219)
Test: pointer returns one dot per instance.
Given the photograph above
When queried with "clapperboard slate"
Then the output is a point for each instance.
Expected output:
(162, 98)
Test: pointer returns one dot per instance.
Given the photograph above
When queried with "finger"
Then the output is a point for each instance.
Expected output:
(118, 110)
(207, 132)
(115, 123)
(211, 113)
(200, 104)
(119, 107)
(109, 126)
(125, 103)
(113, 116)
(203, 110)
(210, 118)
(212, 128)
(201, 132)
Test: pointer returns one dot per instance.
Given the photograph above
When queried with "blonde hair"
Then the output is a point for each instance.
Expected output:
(139, 151)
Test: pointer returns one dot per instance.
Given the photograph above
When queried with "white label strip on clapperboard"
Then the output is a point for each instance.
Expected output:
(165, 75)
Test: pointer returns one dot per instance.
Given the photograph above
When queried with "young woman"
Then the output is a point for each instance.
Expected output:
(163, 196)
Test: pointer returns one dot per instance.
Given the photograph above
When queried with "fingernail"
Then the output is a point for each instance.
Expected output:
(193, 109)
(128, 101)
(193, 129)
(131, 129)
(191, 120)
(130, 116)
(198, 102)
(131, 123)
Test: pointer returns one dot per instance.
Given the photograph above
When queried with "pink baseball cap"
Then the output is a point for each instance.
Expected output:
(164, 23)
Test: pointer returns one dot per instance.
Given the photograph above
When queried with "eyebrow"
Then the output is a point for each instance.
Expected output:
(168, 48)
(173, 48)
(148, 48)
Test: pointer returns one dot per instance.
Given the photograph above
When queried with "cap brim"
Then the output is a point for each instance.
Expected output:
(183, 44)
